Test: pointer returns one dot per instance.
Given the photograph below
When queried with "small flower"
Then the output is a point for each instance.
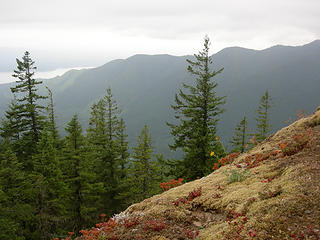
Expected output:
(217, 138)
(212, 154)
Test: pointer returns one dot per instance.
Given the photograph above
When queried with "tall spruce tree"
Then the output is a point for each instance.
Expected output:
(16, 197)
(123, 188)
(11, 128)
(109, 173)
(50, 187)
(52, 121)
(123, 149)
(144, 174)
(263, 120)
(73, 154)
(197, 112)
(83, 188)
(27, 107)
(108, 148)
(97, 129)
(239, 141)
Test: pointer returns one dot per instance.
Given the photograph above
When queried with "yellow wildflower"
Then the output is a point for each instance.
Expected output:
(211, 154)
(217, 138)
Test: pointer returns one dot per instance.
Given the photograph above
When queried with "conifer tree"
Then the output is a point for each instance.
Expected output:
(11, 128)
(27, 97)
(16, 196)
(263, 119)
(79, 172)
(123, 149)
(197, 112)
(108, 145)
(239, 141)
(109, 168)
(97, 130)
(144, 174)
(27, 108)
(50, 187)
(71, 165)
(52, 120)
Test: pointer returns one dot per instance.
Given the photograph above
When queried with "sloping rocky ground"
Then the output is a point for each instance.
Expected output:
(270, 192)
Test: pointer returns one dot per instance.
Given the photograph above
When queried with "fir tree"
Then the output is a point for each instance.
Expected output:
(197, 112)
(27, 97)
(52, 120)
(16, 196)
(144, 173)
(11, 128)
(108, 149)
(109, 168)
(25, 115)
(97, 130)
(50, 187)
(263, 119)
(123, 149)
(71, 165)
(239, 141)
(84, 190)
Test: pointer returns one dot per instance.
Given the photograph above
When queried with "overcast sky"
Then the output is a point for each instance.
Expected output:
(66, 33)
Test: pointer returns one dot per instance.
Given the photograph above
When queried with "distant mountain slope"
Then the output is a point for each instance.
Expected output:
(144, 86)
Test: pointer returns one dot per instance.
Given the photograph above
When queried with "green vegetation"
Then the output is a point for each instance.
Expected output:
(51, 184)
(239, 141)
(263, 126)
(144, 173)
(236, 175)
(197, 112)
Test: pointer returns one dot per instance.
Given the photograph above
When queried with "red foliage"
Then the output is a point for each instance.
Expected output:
(192, 195)
(130, 222)
(195, 193)
(191, 234)
(267, 180)
(236, 222)
(256, 159)
(154, 225)
(171, 184)
(225, 160)
(299, 142)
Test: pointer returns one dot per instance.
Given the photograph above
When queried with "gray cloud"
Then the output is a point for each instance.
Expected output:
(101, 30)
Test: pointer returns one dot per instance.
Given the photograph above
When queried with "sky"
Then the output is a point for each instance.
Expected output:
(61, 34)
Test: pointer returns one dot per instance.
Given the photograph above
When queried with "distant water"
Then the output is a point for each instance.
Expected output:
(6, 77)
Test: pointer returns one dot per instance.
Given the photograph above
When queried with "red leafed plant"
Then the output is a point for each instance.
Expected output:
(192, 195)
(130, 222)
(171, 184)
(256, 159)
(195, 193)
(298, 142)
(225, 160)
(191, 234)
(154, 224)
(236, 222)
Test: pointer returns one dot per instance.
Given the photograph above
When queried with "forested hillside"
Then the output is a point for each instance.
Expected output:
(114, 116)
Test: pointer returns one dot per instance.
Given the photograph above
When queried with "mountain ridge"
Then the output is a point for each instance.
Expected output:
(144, 87)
